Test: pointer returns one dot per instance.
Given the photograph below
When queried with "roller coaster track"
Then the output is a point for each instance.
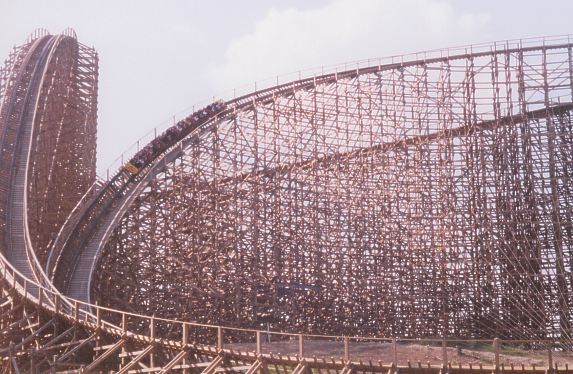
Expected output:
(49, 322)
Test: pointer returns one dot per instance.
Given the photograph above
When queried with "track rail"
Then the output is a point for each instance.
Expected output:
(19, 249)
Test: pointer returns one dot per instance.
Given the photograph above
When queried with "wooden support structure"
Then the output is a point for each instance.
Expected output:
(410, 198)
(452, 172)
(496, 348)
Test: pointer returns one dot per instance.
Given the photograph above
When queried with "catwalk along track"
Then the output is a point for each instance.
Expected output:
(417, 197)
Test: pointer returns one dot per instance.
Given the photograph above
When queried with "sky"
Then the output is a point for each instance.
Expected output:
(158, 59)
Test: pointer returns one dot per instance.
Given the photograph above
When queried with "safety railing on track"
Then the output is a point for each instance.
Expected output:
(262, 88)
(68, 226)
(431, 352)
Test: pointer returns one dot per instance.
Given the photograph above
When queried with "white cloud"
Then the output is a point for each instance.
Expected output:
(473, 21)
(344, 30)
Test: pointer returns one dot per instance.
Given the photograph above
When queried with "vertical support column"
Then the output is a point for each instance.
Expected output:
(98, 317)
(76, 310)
(552, 143)
(549, 360)
(300, 345)
(255, 203)
(40, 303)
(185, 341)
(219, 337)
(496, 353)
(40, 297)
(346, 349)
(98, 326)
(185, 334)
(152, 336)
(444, 354)
(123, 323)
(258, 350)
(124, 330)
(394, 352)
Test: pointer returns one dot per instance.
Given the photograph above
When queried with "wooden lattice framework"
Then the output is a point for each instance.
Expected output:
(422, 198)
(63, 156)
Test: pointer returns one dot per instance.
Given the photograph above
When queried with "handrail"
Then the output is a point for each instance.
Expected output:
(67, 227)
(83, 315)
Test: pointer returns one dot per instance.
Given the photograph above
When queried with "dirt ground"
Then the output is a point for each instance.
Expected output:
(416, 354)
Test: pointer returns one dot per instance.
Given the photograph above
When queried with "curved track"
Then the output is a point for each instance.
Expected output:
(18, 246)
(285, 163)
(68, 331)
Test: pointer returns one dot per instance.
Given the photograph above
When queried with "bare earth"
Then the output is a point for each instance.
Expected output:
(416, 354)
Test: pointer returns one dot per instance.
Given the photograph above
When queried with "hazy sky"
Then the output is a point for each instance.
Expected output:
(159, 58)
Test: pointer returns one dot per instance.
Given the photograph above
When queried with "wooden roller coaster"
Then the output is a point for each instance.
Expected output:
(341, 221)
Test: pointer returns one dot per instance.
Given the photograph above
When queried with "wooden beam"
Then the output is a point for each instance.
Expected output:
(348, 369)
(213, 365)
(104, 356)
(35, 333)
(254, 367)
(302, 368)
(180, 356)
(14, 324)
(69, 354)
(139, 357)
(56, 339)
